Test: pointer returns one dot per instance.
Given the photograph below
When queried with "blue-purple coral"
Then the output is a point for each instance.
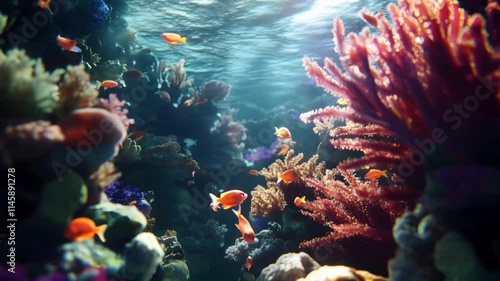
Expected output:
(127, 195)
(261, 152)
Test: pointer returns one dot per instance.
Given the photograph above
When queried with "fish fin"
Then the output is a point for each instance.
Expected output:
(100, 231)
(183, 40)
(279, 180)
(215, 203)
(237, 213)
(76, 49)
(173, 43)
(238, 227)
(384, 173)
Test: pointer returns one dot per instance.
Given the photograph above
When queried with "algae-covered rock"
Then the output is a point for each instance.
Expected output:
(60, 199)
(143, 255)
(176, 270)
(456, 258)
(124, 222)
(87, 253)
(340, 273)
(290, 266)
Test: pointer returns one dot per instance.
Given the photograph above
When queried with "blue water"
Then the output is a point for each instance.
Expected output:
(254, 45)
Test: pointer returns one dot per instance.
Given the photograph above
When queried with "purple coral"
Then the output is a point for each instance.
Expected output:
(128, 195)
(262, 152)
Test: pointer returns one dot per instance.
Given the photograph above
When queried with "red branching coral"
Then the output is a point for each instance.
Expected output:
(427, 73)
(360, 214)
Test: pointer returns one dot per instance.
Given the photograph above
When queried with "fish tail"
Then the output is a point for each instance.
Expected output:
(100, 231)
(183, 40)
(237, 213)
(279, 179)
(215, 203)
(384, 173)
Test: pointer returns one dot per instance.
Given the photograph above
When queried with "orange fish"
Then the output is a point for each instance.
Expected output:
(82, 228)
(299, 201)
(283, 149)
(189, 102)
(283, 132)
(137, 135)
(132, 203)
(107, 84)
(253, 172)
(375, 174)
(244, 226)
(248, 263)
(228, 199)
(44, 4)
(173, 38)
(287, 176)
(68, 44)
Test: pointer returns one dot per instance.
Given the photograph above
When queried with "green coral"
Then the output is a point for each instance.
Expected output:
(27, 89)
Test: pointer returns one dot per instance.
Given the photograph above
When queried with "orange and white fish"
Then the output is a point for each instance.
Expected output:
(173, 38)
(83, 228)
(244, 226)
(287, 176)
(68, 44)
(299, 201)
(283, 132)
(45, 4)
(107, 84)
(228, 199)
(282, 149)
(375, 174)
(189, 102)
(253, 172)
(248, 263)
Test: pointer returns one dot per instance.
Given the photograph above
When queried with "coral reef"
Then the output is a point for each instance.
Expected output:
(114, 105)
(215, 90)
(75, 90)
(210, 233)
(128, 195)
(266, 201)
(339, 273)
(428, 82)
(27, 85)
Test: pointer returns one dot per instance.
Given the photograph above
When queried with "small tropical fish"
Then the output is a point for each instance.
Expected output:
(165, 97)
(283, 132)
(82, 228)
(282, 149)
(299, 201)
(228, 199)
(44, 4)
(201, 100)
(248, 263)
(188, 102)
(343, 101)
(137, 135)
(244, 226)
(287, 176)
(132, 203)
(133, 74)
(107, 84)
(253, 172)
(68, 44)
(173, 38)
(375, 174)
